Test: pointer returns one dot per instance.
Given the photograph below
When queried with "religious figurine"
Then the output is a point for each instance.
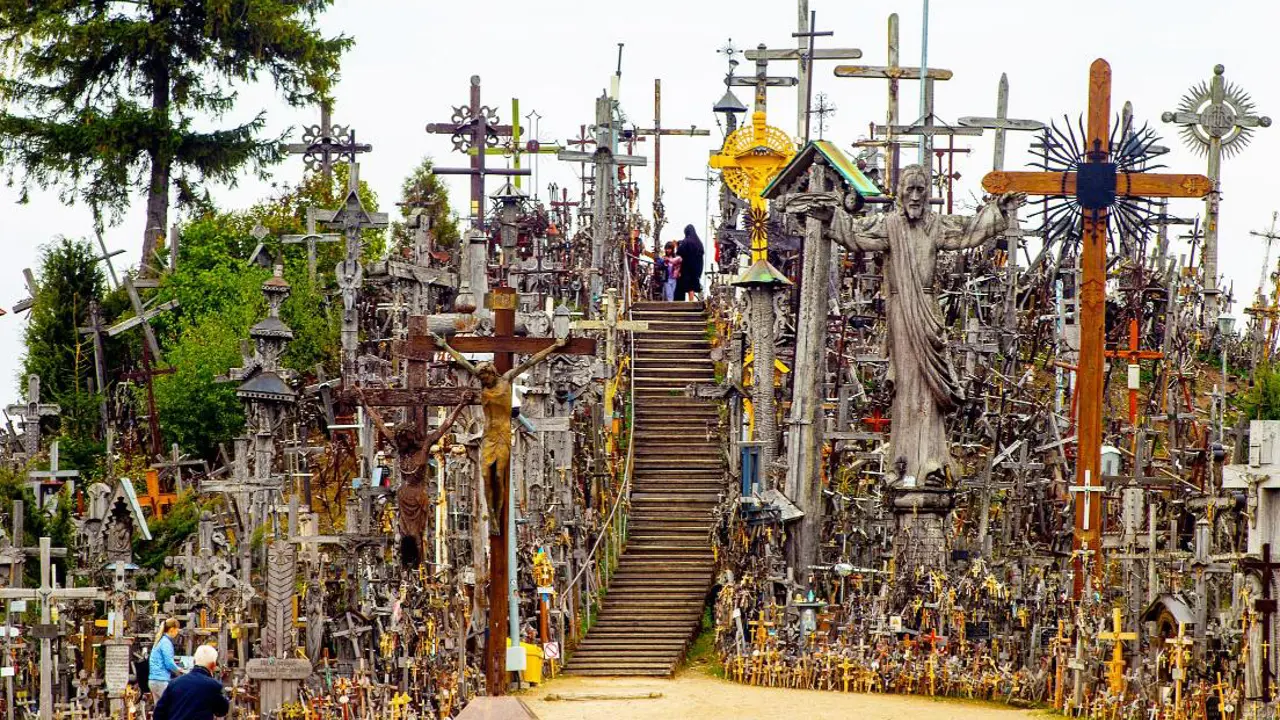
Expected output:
(495, 403)
(925, 386)
(413, 504)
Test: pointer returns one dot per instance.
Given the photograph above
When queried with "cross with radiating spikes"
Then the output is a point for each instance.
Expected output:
(1097, 185)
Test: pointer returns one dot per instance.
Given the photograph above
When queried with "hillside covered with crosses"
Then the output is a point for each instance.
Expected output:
(420, 448)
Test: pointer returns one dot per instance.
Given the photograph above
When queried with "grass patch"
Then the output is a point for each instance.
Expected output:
(702, 653)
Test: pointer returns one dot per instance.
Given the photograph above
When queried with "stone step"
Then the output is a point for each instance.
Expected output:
(668, 306)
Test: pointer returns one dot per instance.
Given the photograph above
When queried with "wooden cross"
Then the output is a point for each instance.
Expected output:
(174, 464)
(33, 290)
(322, 144)
(353, 219)
(927, 128)
(472, 128)
(30, 413)
(1115, 668)
(892, 72)
(657, 131)
(312, 236)
(607, 162)
(1266, 605)
(876, 422)
(156, 498)
(49, 482)
(1001, 122)
(1181, 651)
(1096, 184)
(504, 345)
(1134, 356)
(142, 316)
(46, 595)
(97, 330)
(611, 325)
(803, 55)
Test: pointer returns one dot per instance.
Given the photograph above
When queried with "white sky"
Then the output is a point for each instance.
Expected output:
(412, 61)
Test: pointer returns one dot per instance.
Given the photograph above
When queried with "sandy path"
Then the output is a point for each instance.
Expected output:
(693, 694)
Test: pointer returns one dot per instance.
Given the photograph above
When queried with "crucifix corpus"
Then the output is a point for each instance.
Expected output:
(1096, 185)
(495, 447)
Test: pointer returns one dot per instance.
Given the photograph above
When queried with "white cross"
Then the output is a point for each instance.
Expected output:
(1088, 489)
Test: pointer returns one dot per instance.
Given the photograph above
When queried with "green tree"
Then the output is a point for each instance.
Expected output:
(424, 189)
(1262, 401)
(107, 97)
(69, 280)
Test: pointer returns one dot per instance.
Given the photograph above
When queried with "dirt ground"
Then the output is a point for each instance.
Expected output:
(694, 694)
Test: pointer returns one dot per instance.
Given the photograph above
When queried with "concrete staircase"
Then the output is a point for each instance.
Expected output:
(654, 604)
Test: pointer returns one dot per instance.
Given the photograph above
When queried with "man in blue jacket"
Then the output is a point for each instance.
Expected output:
(197, 695)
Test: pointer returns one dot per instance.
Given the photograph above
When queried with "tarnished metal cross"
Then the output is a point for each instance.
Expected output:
(324, 143)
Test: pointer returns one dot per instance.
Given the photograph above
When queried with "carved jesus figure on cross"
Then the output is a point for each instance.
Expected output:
(495, 403)
(925, 387)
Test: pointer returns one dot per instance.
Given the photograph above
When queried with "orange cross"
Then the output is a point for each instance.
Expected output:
(1097, 184)
(1134, 355)
(155, 498)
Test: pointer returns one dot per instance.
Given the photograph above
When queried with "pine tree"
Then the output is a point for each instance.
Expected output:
(108, 96)
(424, 189)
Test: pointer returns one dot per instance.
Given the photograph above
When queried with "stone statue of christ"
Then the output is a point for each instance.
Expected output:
(925, 386)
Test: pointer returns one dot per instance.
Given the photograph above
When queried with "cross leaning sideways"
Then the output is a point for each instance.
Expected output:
(1096, 184)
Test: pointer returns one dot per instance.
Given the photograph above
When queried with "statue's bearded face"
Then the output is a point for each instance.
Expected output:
(915, 196)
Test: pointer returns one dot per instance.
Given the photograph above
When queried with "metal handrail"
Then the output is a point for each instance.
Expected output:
(609, 529)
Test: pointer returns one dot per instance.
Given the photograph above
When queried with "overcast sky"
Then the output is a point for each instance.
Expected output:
(412, 61)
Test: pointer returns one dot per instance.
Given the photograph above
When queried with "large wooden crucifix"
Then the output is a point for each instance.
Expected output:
(324, 143)
(657, 131)
(475, 126)
(1265, 569)
(1096, 184)
(495, 397)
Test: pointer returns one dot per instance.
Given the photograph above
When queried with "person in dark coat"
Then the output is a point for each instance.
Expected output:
(197, 695)
(691, 252)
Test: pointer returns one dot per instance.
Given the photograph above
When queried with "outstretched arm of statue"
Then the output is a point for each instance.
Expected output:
(962, 233)
(859, 233)
(376, 416)
(457, 356)
(439, 432)
(534, 359)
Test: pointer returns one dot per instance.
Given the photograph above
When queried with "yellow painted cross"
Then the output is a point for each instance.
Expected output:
(1115, 668)
(749, 160)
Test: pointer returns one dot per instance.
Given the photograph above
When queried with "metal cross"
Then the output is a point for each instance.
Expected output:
(324, 143)
(1215, 118)
(474, 126)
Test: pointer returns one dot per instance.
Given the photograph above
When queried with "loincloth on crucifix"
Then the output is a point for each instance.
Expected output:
(495, 445)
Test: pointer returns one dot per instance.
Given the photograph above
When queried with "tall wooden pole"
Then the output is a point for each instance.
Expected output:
(502, 302)
(1093, 266)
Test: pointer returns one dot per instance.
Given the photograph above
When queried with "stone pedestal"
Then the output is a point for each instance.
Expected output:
(920, 537)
